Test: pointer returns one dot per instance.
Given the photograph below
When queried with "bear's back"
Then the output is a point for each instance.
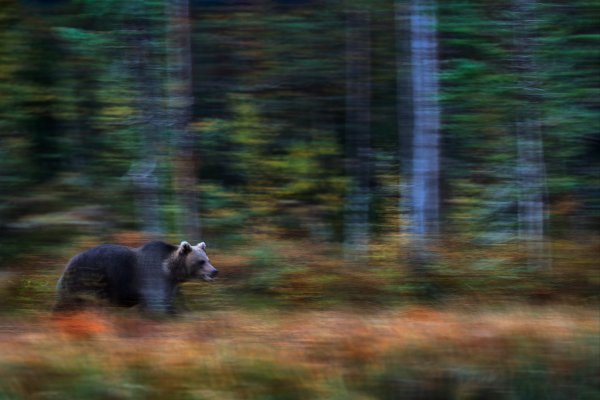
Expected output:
(151, 256)
(156, 248)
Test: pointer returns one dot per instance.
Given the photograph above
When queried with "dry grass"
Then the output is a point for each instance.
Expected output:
(289, 320)
(415, 351)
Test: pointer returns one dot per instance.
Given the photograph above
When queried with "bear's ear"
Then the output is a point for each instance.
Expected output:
(185, 247)
(202, 245)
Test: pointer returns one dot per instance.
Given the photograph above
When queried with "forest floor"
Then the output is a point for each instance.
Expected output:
(412, 352)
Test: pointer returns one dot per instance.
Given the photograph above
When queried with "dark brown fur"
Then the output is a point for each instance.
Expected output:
(124, 276)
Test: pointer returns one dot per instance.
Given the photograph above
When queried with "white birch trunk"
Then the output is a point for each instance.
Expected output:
(531, 172)
(425, 171)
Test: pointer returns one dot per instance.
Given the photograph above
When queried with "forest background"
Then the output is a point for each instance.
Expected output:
(353, 157)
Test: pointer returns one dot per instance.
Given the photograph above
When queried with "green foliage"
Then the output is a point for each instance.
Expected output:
(276, 181)
(481, 94)
(84, 108)
(271, 132)
(256, 379)
(433, 376)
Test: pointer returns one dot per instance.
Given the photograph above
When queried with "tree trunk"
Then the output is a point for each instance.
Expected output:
(144, 66)
(358, 119)
(531, 175)
(404, 112)
(181, 100)
(425, 169)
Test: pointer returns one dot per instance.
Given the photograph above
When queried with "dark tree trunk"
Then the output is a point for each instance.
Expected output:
(185, 163)
(358, 120)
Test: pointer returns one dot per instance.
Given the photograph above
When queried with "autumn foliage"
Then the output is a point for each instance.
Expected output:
(411, 352)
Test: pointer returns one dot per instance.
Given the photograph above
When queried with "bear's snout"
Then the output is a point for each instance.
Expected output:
(209, 273)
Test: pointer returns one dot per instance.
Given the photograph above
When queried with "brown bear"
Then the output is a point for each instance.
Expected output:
(123, 276)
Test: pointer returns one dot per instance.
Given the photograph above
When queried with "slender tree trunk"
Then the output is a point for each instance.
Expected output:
(425, 168)
(358, 119)
(404, 112)
(144, 67)
(531, 174)
(185, 162)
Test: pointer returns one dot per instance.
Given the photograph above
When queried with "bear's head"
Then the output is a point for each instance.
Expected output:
(191, 262)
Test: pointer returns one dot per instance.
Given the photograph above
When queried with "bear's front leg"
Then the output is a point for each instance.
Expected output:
(156, 298)
(177, 301)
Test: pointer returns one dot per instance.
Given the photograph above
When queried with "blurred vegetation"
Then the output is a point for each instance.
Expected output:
(84, 111)
(268, 121)
(413, 353)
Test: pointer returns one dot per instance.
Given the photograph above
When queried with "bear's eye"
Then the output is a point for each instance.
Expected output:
(201, 262)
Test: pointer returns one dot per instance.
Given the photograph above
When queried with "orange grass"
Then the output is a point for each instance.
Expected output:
(253, 355)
